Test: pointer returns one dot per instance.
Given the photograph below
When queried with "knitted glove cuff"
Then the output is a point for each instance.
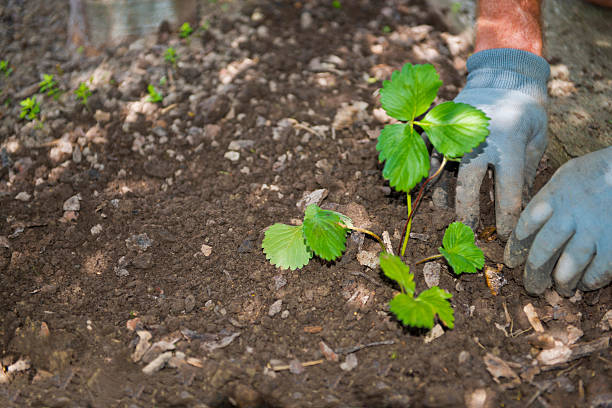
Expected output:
(509, 68)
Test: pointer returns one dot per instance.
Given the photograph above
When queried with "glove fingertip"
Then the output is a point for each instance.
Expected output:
(536, 281)
(516, 250)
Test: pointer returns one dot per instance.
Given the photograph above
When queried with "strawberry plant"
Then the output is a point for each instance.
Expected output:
(170, 55)
(49, 86)
(29, 108)
(453, 129)
(185, 30)
(154, 95)
(83, 93)
(4, 68)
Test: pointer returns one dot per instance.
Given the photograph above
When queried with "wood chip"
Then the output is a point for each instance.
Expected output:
(143, 345)
(328, 352)
(158, 363)
(533, 318)
(313, 329)
(498, 368)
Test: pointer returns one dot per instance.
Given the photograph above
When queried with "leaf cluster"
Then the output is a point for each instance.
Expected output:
(323, 232)
(185, 30)
(416, 311)
(49, 86)
(452, 128)
(83, 93)
(29, 108)
(4, 67)
(154, 95)
(170, 55)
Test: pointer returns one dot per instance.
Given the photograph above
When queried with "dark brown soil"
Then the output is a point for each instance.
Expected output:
(183, 193)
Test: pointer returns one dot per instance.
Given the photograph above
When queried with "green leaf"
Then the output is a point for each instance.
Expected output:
(323, 232)
(459, 249)
(405, 153)
(455, 128)
(410, 91)
(395, 269)
(420, 312)
(285, 247)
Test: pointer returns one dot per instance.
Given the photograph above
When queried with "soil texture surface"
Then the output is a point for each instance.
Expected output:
(131, 270)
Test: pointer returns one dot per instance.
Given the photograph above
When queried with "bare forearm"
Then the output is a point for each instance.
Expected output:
(509, 24)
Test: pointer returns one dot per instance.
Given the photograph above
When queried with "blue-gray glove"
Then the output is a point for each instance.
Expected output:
(569, 220)
(509, 85)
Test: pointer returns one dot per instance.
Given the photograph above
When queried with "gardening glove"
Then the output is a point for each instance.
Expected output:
(570, 219)
(509, 85)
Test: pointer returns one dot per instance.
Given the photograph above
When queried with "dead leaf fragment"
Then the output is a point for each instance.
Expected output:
(328, 352)
(434, 333)
(19, 365)
(158, 363)
(533, 318)
(495, 279)
(224, 342)
(143, 345)
(498, 368)
(605, 323)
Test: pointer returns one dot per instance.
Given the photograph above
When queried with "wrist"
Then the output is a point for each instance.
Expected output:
(509, 68)
(509, 24)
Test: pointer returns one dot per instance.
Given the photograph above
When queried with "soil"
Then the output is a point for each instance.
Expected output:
(164, 237)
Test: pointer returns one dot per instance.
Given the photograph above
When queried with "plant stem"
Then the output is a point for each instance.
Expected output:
(429, 258)
(419, 196)
(365, 231)
(407, 236)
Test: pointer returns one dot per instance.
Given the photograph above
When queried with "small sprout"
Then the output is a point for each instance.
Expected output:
(417, 311)
(154, 95)
(4, 67)
(386, 29)
(185, 30)
(82, 93)
(170, 55)
(163, 80)
(80, 50)
(29, 108)
(205, 26)
(336, 4)
(49, 86)
(456, 7)
(459, 249)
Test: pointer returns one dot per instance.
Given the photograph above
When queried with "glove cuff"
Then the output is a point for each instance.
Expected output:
(509, 68)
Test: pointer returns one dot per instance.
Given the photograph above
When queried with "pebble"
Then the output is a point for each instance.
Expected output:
(313, 197)
(241, 144)
(433, 334)
(73, 203)
(349, 363)
(232, 156)
(285, 314)
(275, 308)
(431, 273)
(140, 241)
(206, 249)
(23, 196)
(143, 261)
(368, 258)
(295, 367)
(101, 116)
(279, 281)
(96, 229)
(189, 303)
(306, 20)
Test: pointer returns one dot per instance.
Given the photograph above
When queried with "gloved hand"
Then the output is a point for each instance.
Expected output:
(571, 216)
(509, 85)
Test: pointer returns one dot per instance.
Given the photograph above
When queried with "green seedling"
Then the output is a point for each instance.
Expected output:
(336, 4)
(453, 129)
(49, 86)
(29, 108)
(83, 93)
(386, 29)
(185, 30)
(4, 67)
(170, 55)
(154, 95)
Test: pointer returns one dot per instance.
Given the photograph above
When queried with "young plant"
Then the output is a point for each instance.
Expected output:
(185, 30)
(170, 55)
(4, 67)
(452, 128)
(49, 86)
(83, 93)
(29, 108)
(154, 95)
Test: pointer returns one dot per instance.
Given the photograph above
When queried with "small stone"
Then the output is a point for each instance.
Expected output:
(61, 152)
(349, 363)
(295, 367)
(434, 333)
(73, 203)
(368, 258)
(241, 144)
(275, 308)
(138, 242)
(431, 273)
(101, 116)
(306, 20)
(77, 155)
(232, 156)
(96, 229)
(279, 281)
(285, 314)
(314, 197)
(189, 303)
(206, 249)
(23, 196)
(464, 357)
